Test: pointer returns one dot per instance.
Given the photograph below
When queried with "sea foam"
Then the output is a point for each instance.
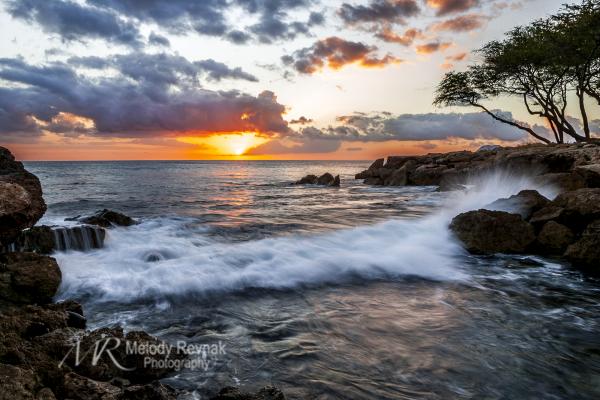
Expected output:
(162, 258)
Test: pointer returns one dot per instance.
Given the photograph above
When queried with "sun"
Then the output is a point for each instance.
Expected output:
(230, 144)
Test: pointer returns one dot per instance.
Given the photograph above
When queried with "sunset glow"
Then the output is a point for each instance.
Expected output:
(225, 145)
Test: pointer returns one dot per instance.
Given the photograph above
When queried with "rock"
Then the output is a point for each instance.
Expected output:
(17, 383)
(586, 251)
(21, 202)
(446, 186)
(488, 232)
(376, 164)
(548, 213)
(579, 207)
(525, 203)
(28, 278)
(336, 181)
(374, 181)
(564, 181)
(151, 391)
(398, 177)
(82, 238)
(427, 175)
(78, 387)
(489, 147)
(324, 180)
(590, 174)
(554, 238)
(266, 393)
(308, 180)
(107, 218)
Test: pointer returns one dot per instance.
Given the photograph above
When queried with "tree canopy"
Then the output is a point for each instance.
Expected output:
(545, 64)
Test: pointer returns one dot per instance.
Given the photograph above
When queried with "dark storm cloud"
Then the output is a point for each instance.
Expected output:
(209, 17)
(445, 7)
(380, 127)
(158, 40)
(74, 22)
(163, 69)
(379, 11)
(142, 100)
(302, 121)
(336, 53)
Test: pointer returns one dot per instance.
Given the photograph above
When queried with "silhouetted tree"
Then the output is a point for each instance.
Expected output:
(541, 63)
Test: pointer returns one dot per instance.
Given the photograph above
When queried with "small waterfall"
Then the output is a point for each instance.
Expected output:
(45, 239)
(82, 238)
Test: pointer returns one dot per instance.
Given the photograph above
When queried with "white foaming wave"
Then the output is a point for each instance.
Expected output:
(195, 264)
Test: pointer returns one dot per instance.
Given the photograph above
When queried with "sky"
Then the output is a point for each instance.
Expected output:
(246, 79)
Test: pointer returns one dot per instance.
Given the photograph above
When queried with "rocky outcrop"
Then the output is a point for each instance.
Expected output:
(324, 180)
(233, 393)
(107, 219)
(28, 278)
(46, 239)
(21, 202)
(488, 232)
(525, 203)
(567, 226)
(568, 166)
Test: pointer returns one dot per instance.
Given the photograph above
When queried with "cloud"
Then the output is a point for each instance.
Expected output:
(463, 23)
(158, 40)
(449, 60)
(336, 53)
(432, 47)
(445, 7)
(299, 145)
(75, 22)
(379, 11)
(379, 127)
(142, 99)
(302, 121)
(163, 68)
(406, 39)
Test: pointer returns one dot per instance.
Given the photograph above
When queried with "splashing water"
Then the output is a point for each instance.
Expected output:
(162, 257)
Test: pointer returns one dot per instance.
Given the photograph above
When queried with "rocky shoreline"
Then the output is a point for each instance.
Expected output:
(39, 339)
(567, 226)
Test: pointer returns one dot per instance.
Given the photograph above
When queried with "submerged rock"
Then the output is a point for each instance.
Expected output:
(28, 278)
(525, 203)
(21, 202)
(107, 219)
(488, 232)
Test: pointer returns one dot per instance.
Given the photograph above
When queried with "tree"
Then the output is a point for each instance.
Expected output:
(541, 63)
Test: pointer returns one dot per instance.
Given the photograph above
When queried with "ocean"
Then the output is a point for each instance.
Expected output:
(355, 292)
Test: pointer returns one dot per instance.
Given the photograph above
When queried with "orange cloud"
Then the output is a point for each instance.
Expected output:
(463, 23)
(432, 47)
(444, 7)
(336, 53)
(406, 39)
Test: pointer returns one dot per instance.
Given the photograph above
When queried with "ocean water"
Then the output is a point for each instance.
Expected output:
(328, 293)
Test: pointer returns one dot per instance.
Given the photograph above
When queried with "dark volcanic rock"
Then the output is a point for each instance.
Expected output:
(488, 232)
(590, 174)
(266, 393)
(579, 207)
(21, 202)
(324, 180)
(586, 251)
(45, 239)
(525, 203)
(28, 278)
(554, 238)
(107, 218)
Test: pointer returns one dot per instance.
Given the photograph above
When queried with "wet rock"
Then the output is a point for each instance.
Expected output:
(525, 203)
(308, 180)
(545, 214)
(107, 219)
(21, 202)
(398, 177)
(39, 239)
(579, 207)
(81, 238)
(324, 180)
(488, 232)
(590, 174)
(28, 278)
(266, 393)
(152, 391)
(564, 181)
(17, 383)
(427, 175)
(586, 251)
(554, 238)
(78, 387)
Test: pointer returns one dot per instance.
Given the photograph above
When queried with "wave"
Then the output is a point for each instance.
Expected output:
(163, 257)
